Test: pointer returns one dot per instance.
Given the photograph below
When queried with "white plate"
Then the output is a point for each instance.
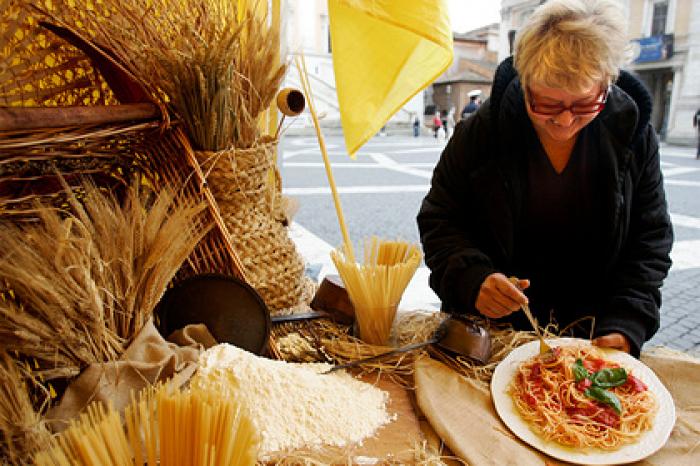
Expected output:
(647, 444)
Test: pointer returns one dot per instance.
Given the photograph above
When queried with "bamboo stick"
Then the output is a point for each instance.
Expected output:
(303, 77)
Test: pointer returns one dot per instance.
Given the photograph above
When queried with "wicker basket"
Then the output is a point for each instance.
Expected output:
(110, 153)
(239, 181)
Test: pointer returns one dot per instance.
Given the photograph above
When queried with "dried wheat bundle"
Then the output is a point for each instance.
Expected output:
(214, 61)
(21, 428)
(79, 287)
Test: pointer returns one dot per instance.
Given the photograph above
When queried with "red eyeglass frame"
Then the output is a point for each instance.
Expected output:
(591, 108)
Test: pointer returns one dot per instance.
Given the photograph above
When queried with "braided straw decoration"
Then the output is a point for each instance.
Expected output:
(238, 181)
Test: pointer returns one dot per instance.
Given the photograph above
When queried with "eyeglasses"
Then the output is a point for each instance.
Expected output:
(576, 109)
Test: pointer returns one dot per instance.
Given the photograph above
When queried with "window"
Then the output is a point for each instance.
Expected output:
(658, 19)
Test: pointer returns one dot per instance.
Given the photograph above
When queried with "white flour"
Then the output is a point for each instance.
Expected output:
(293, 405)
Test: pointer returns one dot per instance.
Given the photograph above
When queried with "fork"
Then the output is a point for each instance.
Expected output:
(544, 347)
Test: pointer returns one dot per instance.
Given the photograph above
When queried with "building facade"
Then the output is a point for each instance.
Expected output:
(666, 36)
(475, 61)
(665, 39)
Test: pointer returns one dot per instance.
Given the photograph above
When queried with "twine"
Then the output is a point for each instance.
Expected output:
(238, 179)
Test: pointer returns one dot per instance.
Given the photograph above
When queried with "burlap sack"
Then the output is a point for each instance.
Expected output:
(148, 359)
(461, 412)
(681, 376)
(238, 179)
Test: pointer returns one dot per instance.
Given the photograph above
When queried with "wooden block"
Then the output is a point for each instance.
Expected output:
(332, 297)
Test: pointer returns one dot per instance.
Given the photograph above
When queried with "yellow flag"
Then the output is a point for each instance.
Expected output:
(384, 53)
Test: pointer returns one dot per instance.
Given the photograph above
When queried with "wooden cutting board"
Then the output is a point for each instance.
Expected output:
(395, 441)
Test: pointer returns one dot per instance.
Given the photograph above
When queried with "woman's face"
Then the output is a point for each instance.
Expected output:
(559, 115)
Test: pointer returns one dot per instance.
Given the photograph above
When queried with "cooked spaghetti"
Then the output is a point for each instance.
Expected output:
(574, 397)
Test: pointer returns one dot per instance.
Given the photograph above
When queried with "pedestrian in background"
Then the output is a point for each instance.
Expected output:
(472, 106)
(437, 123)
(555, 179)
(450, 123)
(416, 127)
(696, 125)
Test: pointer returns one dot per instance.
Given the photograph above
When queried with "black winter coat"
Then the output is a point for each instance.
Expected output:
(467, 220)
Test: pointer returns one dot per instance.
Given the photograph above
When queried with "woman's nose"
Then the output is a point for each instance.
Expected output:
(565, 118)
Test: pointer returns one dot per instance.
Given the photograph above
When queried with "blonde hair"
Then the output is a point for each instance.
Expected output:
(572, 44)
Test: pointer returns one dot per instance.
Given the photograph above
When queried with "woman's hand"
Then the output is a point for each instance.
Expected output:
(498, 297)
(613, 340)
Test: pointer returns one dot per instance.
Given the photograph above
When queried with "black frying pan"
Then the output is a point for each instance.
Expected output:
(230, 308)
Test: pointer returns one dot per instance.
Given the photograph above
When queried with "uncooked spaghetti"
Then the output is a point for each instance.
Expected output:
(376, 286)
(165, 427)
(576, 398)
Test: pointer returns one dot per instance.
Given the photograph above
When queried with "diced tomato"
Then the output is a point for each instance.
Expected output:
(637, 385)
(608, 417)
(556, 351)
(593, 365)
(531, 400)
(554, 404)
(536, 371)
(605, 415)
(583, 384)
(586, 410)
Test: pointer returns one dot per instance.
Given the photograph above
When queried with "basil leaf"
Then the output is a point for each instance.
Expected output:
(611, 377)
(579, 371)
(604, 396)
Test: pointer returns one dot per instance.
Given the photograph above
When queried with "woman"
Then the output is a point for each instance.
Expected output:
(555, 180)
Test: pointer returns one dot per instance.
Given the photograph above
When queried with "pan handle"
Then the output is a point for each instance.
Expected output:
(379, 357)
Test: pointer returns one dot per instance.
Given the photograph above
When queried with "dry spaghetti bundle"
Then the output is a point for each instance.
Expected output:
(375, 287)
(164, 427)
(576, 398)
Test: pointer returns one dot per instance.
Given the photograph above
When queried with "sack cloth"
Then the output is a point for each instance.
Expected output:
(461, 412)
(148, 359)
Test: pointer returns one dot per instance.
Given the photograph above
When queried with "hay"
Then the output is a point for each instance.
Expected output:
(78, 288)
(416, 326)
(339, 345)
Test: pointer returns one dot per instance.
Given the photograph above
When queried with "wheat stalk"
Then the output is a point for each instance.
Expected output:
(78, 288)
(21, 428)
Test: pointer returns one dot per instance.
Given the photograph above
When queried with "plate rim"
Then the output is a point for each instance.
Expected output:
(505, 408)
